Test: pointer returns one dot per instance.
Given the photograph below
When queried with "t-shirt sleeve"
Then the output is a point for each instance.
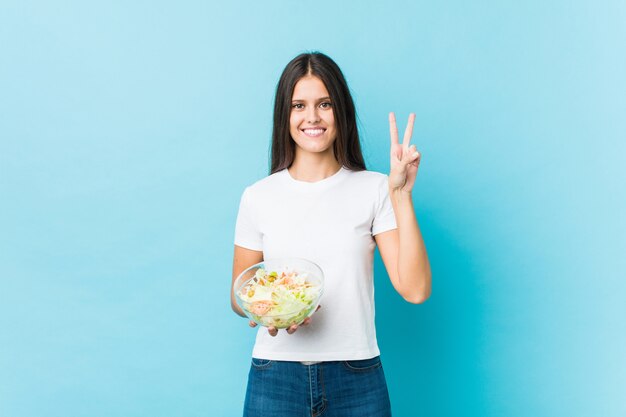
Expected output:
(384, 217)
(247, 232)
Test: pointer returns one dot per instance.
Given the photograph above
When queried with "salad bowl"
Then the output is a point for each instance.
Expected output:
(279, 292)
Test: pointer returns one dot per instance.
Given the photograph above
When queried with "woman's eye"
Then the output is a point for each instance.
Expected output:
(324, 105)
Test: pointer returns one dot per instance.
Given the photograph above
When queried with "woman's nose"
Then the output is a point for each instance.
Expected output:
(313, 116)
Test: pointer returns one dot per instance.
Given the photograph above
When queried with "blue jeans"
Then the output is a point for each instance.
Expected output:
(327, 389)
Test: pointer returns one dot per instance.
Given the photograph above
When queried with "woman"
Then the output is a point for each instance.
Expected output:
(320, 203)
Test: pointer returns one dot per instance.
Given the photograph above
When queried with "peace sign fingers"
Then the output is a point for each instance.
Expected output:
(404, 158)
(393, 130)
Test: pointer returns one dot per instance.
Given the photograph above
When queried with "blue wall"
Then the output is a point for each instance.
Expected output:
(128, 131)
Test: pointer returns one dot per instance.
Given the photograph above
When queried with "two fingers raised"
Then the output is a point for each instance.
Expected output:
(393, 130)
(403, 153)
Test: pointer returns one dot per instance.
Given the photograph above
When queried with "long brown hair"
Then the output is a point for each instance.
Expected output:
(346, 146)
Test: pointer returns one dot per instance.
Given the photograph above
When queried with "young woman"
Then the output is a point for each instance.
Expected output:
(320, 203)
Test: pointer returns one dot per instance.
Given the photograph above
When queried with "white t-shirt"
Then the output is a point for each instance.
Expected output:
(332, 223)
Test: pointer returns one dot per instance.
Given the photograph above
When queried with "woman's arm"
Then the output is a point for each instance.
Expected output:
(242, 259)
(403, 252)
(402, 249)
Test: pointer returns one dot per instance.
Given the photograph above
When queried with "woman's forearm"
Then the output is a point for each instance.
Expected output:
(413, 267)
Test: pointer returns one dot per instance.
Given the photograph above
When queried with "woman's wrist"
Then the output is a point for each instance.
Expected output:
(399, 195)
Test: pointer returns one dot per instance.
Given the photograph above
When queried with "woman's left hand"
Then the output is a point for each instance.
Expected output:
(405, 159)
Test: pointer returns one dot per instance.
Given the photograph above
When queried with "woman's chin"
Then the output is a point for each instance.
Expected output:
(315, 149)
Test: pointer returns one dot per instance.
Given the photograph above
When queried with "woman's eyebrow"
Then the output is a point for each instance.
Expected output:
(319, 99)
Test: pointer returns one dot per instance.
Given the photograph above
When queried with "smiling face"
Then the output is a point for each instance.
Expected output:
(312, 121)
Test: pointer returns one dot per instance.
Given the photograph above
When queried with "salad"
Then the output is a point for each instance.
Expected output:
(279, 300)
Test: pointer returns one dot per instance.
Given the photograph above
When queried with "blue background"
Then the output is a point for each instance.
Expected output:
(129, 130)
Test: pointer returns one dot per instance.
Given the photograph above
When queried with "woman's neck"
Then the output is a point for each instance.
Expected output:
(311, 169)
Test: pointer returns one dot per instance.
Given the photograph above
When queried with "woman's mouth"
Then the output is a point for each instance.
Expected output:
(313, 133)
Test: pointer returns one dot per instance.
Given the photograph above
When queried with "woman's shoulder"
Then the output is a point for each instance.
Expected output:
(266, 183)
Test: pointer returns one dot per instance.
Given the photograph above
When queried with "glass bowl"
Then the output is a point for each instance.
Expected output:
(279, 292)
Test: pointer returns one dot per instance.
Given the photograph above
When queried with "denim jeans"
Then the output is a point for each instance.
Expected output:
(326, 389)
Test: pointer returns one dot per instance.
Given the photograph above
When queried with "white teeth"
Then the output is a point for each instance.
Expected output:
(313, 132)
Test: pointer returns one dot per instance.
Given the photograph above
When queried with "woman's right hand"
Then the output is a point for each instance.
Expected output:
(273, 331)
